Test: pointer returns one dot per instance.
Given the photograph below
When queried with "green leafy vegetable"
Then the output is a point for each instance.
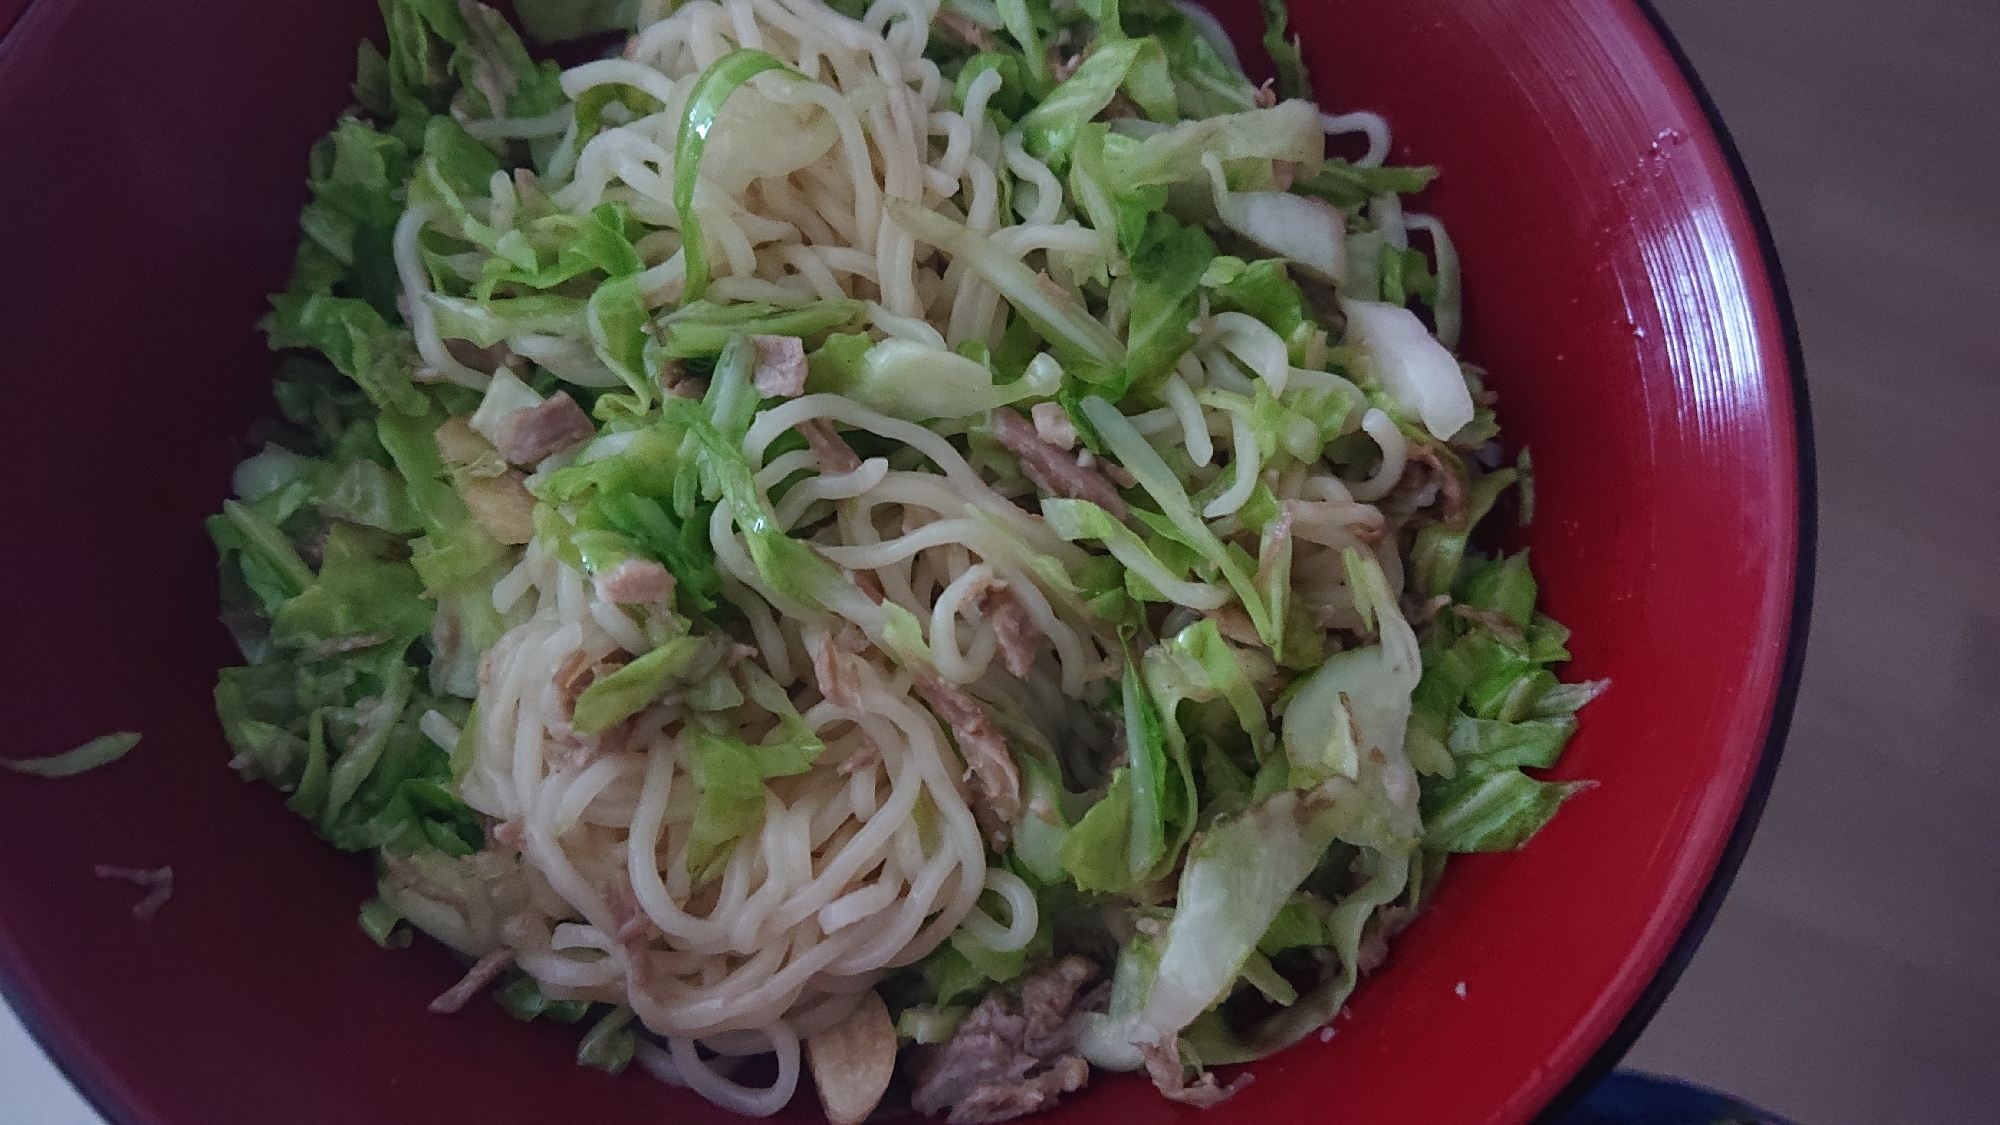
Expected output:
(554, 21)
(1167, 264)
(100, 751)
(917, 382)
(704, 105)
(1350, 186)
(610, 1042)
(1096, 850)
(1287, 131)
(358, 599)
(1493, 811)
(1140, 459)
(1136, 66)
(701, 328)
(627, 691)
(1284, 52)
(384, 924)
(1081, 519)
(523, 999)
(730, 775)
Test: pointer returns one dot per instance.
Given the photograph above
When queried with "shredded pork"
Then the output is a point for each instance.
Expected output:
(831, 450)
(1233, 621)
(996, 781)
(1012, 626)
(1053, 469)
(635, 582)
(781, 366)
(532, 433)
(1431, 479)
(478, 977)
(1011, 1056)
(835, 682)
(1275, 547)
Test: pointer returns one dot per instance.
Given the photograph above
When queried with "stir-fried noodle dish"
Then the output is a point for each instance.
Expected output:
(924, 546)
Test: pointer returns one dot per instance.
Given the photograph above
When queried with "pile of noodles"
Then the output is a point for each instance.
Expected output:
(871, 857)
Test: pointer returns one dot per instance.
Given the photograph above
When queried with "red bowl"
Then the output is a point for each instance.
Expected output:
(1619, 285)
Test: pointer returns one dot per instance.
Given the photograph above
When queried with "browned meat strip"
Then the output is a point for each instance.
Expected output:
(1048, 1001)
(985, 1048)
(1426, 467)
(635, 582)
(572, 676)
(1112, 470)
(1012, 627)
(868, 583)
(861, 759)
(479, 976)
(633, 924)
(1120, 106)
(781, 366)
(1373, 952)
(159, 884)
(1053, 470)
(533, 432)
(1009, 1057)
(996, 781)
(1002, 1101)
(827, 660)
(831, 450)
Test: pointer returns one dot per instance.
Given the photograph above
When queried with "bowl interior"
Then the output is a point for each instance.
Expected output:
(154, 173)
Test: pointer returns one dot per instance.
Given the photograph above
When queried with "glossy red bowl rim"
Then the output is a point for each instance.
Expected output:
(77, 1066)
(1792, 663)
